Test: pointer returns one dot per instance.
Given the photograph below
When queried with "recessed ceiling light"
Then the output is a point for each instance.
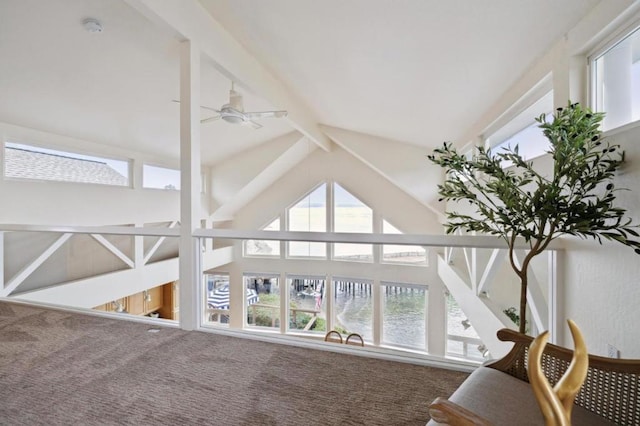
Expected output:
(92, 25)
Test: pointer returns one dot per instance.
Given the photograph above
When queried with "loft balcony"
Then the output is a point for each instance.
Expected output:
(444, 307)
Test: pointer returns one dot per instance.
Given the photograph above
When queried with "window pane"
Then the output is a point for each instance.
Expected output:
(160, 177)
(462, 339)
(307, 305)
(523, 131)
(31, 162)
(531, 142)
(217, 291)
(353, 308)
(309, 215)
(617, 82)
(263, 301)
(351, 215)
(264, 247)
(404, 315)
(402, 254)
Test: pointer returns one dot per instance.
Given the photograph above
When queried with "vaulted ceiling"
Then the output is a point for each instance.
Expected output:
(415, 71)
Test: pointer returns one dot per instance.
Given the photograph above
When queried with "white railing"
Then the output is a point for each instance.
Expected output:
(477, 270)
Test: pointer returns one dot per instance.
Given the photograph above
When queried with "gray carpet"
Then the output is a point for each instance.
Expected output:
(60, 368)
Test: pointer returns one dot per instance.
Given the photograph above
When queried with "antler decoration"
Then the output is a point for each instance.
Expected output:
(556, 403)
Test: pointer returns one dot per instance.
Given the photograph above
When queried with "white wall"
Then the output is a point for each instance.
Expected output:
(67, 203)
(602, 283)
(231, 175)
(76, 204)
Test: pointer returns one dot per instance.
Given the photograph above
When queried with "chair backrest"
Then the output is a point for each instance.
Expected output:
(609, 381)
(354, 339)
(333, 336)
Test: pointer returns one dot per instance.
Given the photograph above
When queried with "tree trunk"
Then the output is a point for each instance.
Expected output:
(523, 301)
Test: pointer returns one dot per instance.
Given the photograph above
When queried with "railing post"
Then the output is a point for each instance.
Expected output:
(284, 303)
(378, 319)
(436, 318)
(138, 249)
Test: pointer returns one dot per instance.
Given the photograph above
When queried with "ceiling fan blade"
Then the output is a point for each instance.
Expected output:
(201, 106)
(210, 119)
(266, 114)
(252, 124)
(210, 109)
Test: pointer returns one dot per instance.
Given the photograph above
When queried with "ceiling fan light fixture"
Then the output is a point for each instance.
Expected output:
(233, 119)
(92, 25)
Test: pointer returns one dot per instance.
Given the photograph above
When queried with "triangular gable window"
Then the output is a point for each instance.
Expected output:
(351, 215)
(309, 215)
(408, 255)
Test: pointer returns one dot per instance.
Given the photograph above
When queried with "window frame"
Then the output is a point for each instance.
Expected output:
(332, 212)
(70, 153)
(287, 224)
(157, 166)
(609, 42)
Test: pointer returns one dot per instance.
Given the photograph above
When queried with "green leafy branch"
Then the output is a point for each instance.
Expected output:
(578, 199)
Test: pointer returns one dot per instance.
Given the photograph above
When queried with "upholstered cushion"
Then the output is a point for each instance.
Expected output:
(505, 400)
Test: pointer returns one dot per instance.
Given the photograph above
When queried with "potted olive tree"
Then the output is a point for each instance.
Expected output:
(517, 201)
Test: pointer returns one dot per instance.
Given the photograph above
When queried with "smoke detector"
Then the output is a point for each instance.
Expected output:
(92, 25)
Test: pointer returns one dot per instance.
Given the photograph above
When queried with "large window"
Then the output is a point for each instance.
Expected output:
(616, 81)
(31, 162)
(351, 215)
(309, 215)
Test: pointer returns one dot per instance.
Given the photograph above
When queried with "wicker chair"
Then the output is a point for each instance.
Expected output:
(610, 391)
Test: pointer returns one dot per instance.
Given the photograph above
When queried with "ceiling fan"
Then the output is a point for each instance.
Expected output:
(233, 112)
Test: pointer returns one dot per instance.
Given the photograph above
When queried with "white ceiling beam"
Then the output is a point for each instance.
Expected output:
(191, 21)
(402, 164)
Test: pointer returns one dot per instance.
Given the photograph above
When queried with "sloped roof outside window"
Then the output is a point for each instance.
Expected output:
(26, 164)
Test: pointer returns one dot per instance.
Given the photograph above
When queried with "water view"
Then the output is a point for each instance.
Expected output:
(404, 311)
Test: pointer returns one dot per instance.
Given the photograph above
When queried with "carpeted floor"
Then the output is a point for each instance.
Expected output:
(60, 368)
